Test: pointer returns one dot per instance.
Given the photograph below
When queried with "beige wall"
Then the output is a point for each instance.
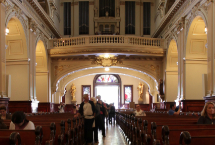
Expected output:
(88, 80)
(171, 87)
(42, 87)
(194, 88)
(19, 82)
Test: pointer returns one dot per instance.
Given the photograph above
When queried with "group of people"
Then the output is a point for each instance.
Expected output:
(94, 111)
(18, 120)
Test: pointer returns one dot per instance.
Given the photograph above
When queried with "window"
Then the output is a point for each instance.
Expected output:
(107, 8)
(84, 17)
(107, 79)
(67, 18)
(146, 18)
(128, 94)
(129, 17)
(86, 89)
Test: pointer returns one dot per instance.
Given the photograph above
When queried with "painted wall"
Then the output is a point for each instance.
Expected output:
(19, 82)
(42, 87)
(194, 88)
(171, 87)
(88, 80)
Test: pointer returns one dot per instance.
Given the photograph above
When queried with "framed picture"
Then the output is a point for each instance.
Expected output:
(128, 94)
(86, 89)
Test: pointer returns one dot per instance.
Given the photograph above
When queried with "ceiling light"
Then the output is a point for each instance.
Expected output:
(6, 31)
(106, 55)
(107, 69)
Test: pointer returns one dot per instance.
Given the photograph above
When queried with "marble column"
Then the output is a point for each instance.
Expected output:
(122, 16)
(2, 51)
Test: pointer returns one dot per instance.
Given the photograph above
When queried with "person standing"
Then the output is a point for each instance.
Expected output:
(102, 115)
(61, 107)
(111, 113)
(87, 109)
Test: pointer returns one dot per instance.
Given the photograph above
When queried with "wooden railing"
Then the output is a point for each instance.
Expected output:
(107, 40)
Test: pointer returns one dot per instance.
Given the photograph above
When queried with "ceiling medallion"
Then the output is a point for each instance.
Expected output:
(107, 62)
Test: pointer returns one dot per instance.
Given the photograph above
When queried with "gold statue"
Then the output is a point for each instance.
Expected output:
(140, 89)
(73, 90)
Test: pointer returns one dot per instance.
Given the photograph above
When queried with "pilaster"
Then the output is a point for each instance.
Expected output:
(76, 18)
(137, 18)
(122, 16)
(2, 50)
(91, 16)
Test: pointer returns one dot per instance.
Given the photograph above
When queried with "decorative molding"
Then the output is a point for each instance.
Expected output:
(107, 62)
(32, 25)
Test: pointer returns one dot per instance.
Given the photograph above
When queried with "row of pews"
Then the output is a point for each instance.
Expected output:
(50, 129)
(159, 128)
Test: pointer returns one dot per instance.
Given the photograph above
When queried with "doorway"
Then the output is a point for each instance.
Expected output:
(108, 86)
(109, 94)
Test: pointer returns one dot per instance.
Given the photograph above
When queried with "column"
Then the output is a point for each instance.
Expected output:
(211, 47)
(72, 18)
(2, 51)
(181, 63)
(122, 16)
(32, 60)
(76, 18)
(137, 18)
(91, 18)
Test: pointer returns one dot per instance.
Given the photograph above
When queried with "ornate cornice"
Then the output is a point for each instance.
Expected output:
(107, 62)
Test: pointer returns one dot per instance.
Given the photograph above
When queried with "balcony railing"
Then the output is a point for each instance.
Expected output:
(108, 40)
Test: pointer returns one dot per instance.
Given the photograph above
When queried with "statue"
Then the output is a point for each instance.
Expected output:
(107, 14)
(140, 89)
(73, 90)
(95, 11)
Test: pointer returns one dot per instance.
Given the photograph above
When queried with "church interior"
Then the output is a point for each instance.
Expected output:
(151, 53)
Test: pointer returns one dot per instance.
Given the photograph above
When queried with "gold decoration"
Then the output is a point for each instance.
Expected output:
(107, 62)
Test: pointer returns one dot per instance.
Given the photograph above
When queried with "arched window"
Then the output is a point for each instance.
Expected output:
(107, 79)
(107, 8)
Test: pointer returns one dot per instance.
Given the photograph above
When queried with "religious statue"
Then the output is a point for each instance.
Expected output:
(73, 90)
(140, 89)
(95, 11)
(107, 14)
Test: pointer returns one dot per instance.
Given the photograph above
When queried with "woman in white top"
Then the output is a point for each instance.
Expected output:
(19, 122)
(139, 112)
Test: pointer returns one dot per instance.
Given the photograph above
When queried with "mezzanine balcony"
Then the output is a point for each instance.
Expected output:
(107, 43)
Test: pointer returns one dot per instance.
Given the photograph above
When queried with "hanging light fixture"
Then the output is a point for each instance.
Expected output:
(6, 31)
(206, 30)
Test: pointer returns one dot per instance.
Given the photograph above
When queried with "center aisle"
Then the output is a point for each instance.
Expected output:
(113, 136)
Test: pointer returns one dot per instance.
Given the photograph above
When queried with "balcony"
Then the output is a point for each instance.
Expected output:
(106, 43)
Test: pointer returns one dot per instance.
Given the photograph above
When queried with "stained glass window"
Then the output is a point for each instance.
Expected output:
(86, 90)
(128, 94)
(107, 79)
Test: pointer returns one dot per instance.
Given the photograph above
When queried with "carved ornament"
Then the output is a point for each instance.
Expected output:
(107, 62)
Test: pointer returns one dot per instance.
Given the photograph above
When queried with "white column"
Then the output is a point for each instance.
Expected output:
(137, 18)
(211, 47)
(91, 16)
(122, 16)
(181, 65)
(32, 63)
(76, 18)
(2, 51)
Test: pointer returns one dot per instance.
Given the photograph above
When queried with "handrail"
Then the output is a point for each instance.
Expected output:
(107, 39)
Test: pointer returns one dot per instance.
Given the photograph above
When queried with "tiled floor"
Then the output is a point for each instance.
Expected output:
(113, 136)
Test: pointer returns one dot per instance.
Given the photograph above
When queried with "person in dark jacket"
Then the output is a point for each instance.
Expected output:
(97, 119)
(102, 115)
(111, 113)
(87, 109)
(207, 114)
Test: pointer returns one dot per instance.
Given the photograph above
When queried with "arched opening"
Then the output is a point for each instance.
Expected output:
(195, 60)
(17, 62)
(171, 78)
(109, 87)
(41, 73)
